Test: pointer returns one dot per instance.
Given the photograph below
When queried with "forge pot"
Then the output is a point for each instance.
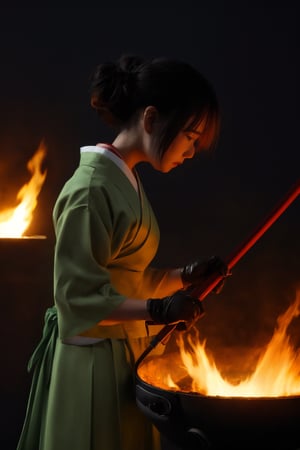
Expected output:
(191, 421)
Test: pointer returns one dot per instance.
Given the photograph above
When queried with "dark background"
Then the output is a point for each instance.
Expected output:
(250, 52)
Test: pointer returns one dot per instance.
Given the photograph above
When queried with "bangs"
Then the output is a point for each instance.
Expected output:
(191, 114)
(210, 133)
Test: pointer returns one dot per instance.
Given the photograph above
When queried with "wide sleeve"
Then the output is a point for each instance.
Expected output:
(156, 283)
(83, 291)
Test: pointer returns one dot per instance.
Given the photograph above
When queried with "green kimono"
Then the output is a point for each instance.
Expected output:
(82, 395)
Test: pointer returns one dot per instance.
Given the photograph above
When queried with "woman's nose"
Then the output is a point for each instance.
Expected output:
(189, 153)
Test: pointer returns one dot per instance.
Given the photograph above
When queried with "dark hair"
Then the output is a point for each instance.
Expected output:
(180, 93)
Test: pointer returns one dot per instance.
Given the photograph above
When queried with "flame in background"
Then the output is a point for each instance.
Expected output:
(277, 372)
(14, 221)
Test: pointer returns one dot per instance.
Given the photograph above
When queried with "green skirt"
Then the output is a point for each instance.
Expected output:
(83, 397)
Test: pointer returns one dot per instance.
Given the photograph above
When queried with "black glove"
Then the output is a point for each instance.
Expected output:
(197, 272)
(179, 307)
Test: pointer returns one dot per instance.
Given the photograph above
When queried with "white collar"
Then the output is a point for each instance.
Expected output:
(118, 161)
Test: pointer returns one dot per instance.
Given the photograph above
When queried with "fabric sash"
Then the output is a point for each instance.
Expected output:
(41, 364)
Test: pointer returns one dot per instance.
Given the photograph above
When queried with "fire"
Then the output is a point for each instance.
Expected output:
(277, 371)
(14, 221)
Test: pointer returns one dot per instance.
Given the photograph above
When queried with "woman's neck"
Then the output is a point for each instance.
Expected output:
(129, 150)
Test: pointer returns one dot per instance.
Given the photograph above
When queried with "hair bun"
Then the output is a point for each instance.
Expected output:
(113, 88)
(127, 68)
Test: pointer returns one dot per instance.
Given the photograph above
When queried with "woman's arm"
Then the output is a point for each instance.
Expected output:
(134, 309)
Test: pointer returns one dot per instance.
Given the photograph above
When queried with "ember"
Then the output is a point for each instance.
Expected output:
(14, 221)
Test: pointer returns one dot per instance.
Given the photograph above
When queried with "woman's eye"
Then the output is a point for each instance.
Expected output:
(189, 138)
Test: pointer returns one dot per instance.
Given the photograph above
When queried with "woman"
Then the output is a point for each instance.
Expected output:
(105, 290)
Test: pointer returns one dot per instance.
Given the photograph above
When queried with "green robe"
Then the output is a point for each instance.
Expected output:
(82, 397)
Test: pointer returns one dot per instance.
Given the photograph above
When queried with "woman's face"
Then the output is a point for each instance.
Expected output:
(182, 148)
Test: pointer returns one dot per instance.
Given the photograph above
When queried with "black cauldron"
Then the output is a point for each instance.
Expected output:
(191, 421)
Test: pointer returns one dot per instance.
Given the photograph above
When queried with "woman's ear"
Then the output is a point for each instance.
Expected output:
(94, 101)
(149, 118)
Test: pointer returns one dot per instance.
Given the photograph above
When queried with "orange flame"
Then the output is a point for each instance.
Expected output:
(277, 372)
(15, 221)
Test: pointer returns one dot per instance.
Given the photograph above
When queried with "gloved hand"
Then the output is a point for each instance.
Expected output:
(179, 307)
(197, 272)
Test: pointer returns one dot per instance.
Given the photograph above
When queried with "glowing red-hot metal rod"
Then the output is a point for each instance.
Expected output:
(204, 290)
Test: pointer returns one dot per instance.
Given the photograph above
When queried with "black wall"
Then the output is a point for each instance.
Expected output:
(250, 52)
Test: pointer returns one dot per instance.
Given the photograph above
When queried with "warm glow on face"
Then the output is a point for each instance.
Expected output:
(277, 371)
(14, 221)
